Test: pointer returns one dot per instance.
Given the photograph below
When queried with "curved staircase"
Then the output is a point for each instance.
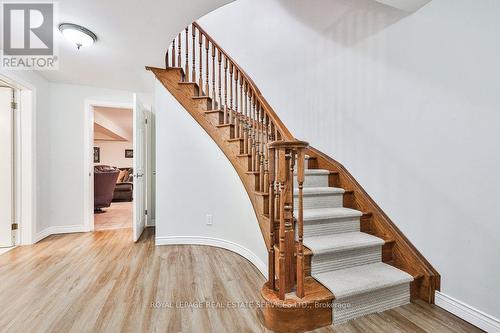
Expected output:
(333, 253)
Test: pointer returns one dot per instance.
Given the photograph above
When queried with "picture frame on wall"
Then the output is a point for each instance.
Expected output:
(129, 153)
(97, 155)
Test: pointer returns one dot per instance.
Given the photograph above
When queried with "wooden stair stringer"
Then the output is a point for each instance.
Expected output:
(405, 255)
(170, 79)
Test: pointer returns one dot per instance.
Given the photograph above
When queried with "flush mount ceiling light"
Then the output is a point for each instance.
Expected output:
(77, 34)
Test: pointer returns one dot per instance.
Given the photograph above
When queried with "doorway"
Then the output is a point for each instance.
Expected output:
(113, 158)
(137, 176)
(8, 226)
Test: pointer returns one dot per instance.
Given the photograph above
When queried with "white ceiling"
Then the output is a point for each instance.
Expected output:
(131, 34)
(113, 124)
(101, 133)
(406, 5)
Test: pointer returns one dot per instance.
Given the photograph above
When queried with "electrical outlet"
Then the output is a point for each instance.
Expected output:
(209, 219)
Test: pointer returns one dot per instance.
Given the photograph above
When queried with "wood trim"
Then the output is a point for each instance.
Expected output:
(170, 79)
(243, 132)
(405, 255)
(274, 117)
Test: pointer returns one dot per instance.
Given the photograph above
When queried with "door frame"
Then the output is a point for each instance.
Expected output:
(25, 168)
(88, 159)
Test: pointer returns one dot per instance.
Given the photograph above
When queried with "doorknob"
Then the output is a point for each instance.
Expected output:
(139, 175)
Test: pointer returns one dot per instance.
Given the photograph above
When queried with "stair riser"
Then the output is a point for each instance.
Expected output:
(330, 226)
(371, 302)
(241, 144)
(227, 132)
(216, 118)
(247, 161)
(202, 104)
(192, 88)
(321, 201)
(256, 182)
(312, 181)
(263, 201)
(345, 259)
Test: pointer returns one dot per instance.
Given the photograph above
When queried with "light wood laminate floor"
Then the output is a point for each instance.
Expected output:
(101, 281)
(117, 216)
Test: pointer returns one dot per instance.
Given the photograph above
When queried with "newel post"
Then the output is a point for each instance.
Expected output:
(300, 223)
(271, 257)
(284, 155)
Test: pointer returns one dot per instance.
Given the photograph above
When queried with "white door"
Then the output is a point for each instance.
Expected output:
(139, 169)
(6, 167)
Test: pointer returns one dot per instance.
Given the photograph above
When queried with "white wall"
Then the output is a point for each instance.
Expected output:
(39, 132)
(113, 153)
(408, 103)
(67, 151)
(59, 131)
(194, 178)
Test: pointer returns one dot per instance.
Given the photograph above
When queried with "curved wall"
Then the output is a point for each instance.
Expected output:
(194, 178)
(408, 103)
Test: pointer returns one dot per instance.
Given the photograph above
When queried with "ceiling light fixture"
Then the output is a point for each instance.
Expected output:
(77, 34)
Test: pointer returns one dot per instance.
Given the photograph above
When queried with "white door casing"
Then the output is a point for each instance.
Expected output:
(6, 167)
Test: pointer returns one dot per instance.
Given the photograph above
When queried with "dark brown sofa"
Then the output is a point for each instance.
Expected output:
(104, 185)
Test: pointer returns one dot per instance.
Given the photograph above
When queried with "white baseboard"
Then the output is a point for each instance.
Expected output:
(468, 313)
(6, 249)
(53, 230)
(228, 245)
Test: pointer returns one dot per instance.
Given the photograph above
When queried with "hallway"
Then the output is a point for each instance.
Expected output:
(102, 281)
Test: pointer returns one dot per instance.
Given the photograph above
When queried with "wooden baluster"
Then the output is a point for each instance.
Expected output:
(214, 95)
(237, 116)
(231, 115)
(245, 136)
(271, 258)
(173, 53)
(250, 128)
(186, 66)
(262, 147)
(207, 66)
(289, 221)
(242, 111)
(179, 47)
(266, 152)
(252, 136)
(200, 74)
(282, 170)
(226, 115)
(193, 34)
(257, 139)
(300, 223)
(219, 58)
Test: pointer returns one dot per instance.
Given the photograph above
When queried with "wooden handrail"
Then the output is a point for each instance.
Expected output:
(285, 133)
(271, 114)
(272, 150)
(271, 155)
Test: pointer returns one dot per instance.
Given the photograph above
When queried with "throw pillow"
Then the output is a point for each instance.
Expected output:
(121, 176)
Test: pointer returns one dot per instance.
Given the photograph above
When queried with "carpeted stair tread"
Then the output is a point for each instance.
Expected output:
(362, 279)
(341, 242)
(310, 191)
(314, 172)
(313, 214)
